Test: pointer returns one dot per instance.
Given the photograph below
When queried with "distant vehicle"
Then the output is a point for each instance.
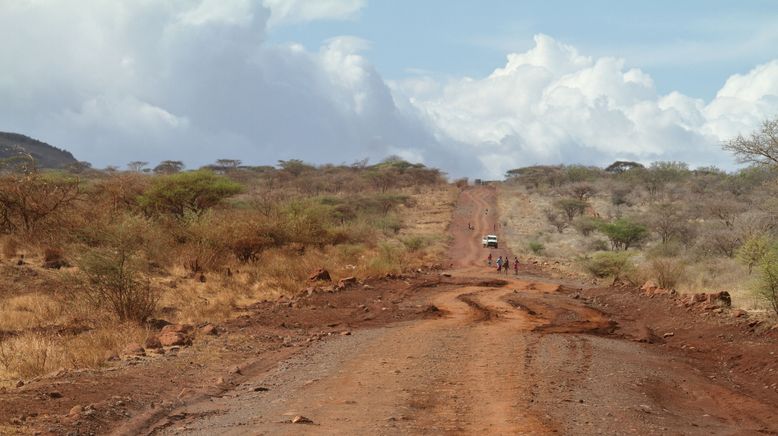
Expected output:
(490, 241)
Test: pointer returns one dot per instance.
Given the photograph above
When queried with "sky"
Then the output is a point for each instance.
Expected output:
(472, 87)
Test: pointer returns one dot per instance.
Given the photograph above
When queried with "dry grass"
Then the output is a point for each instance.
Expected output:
(32, 354)
(523, 222)
(49, 328)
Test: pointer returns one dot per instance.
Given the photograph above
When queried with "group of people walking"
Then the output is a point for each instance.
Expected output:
(504, 265)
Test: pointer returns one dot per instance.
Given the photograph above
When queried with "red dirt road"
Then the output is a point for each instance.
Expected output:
(464, 352)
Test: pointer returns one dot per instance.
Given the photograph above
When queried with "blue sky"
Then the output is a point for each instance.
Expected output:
(472, 87)
(690, 46)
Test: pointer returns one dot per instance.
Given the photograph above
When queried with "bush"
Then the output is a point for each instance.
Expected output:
(597, 245)
(557, 220)
(767, 285)
(112, 278)
(608, 264)
(571, 207)
(415, 243)
(192, 192)
(753, 251)
(624, 233)
(585, 225)
(667, 271)
(536, 247)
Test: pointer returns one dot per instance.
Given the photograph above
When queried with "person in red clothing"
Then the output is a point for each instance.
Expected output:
(516, 266)
(489, 260)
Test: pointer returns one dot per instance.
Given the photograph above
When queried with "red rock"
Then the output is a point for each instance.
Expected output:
(649, 287)
(320, 274)
(209, 330)
(170, 338)
(134, 350)
(739, 313)
(152, 342)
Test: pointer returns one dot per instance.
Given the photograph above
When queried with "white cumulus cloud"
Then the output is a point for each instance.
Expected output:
(551, 104)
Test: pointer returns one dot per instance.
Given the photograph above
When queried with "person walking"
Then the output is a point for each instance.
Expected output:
(507, 265)
(515, 266)
(499, 264)
(489, 260)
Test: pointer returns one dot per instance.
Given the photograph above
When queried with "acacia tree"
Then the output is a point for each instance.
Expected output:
(760, 148)
(169, 167)
(190, 192)
(624, 233)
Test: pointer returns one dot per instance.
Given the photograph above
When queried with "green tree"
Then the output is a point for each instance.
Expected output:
(753, 251)
(767, 285)
(624, 233)
(190, 192)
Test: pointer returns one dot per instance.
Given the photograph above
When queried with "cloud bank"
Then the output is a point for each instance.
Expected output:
(552, 104)
(196, 81)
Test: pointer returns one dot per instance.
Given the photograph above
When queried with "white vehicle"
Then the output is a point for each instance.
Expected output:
(490, 241)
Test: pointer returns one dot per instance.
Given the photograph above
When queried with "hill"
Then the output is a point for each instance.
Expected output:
(46, 155)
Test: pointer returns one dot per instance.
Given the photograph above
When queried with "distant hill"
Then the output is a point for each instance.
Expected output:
(47, 156)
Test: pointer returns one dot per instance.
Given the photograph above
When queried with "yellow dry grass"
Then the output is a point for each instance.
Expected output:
(33, 310)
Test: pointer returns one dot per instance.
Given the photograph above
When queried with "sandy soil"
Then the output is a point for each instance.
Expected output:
(459, 352)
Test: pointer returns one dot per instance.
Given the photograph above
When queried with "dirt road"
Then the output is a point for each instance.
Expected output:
(511, 355)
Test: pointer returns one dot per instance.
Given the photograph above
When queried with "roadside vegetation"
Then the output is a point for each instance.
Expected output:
(89, 257)
(694, 230)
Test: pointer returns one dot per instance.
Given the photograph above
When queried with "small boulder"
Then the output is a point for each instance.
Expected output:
(152, 342)
(320, 274)
(134, 350)
(720, 298)
(157, 324)
(649, 287)
(739, 313)
(299, 419)
(76, 410)
(209, 330)
(346, 282)
(173, 338)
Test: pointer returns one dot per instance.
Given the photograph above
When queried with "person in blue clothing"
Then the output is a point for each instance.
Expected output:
(499, 264)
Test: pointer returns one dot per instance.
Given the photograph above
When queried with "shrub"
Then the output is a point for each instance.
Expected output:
(571, 207)
(597, 245)
(623, 233)
(112, 278)
(557, 220)
(608, 264)
(753, 251)
(415, 243)
(536, 247)
(585, 225)
(667, 271)
(182, 193)
(767, 285)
